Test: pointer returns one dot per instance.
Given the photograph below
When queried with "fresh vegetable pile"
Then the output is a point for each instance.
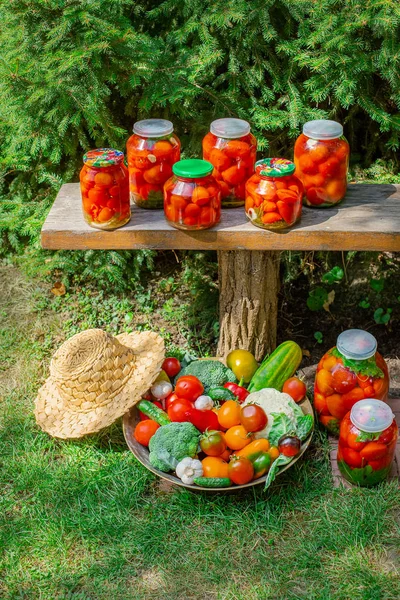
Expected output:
(213, 431)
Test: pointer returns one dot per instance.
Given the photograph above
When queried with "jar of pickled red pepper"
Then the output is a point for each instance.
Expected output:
(367, 443)
(105, 189)
(321, 155)
(351, 371)
(152, 150)
(274, 194)
(231, 149)
(192, 198)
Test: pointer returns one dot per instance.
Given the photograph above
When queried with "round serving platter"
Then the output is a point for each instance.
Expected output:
(131, 419)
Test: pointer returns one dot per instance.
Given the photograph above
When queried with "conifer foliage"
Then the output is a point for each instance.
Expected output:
(76, 74)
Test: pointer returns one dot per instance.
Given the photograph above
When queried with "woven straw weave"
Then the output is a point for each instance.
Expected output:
(95, 378)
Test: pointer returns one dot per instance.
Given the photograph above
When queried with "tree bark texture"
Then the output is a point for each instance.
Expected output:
(248, 301)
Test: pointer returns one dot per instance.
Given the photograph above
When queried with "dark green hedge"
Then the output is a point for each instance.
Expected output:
(75, 74)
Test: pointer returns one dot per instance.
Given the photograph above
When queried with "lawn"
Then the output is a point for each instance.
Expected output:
(82, 520)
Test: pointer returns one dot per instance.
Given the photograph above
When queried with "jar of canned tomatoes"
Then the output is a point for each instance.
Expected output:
(192, 198)
(321, 155)
(231, 149)
(351, 371)
(105, 189)
(152, 150)
(367, 443)
(274, 194)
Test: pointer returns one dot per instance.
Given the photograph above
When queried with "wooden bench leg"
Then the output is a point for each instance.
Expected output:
(248, 301)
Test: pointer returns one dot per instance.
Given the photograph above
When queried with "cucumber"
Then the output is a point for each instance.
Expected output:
(277, 367)
(213, 482)
(153, 412)
(219, 393)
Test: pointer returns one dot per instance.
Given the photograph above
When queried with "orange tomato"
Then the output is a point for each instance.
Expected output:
(329, 362)
(307, 165)
(271, 217)
(200, 195)
(162, 149)
(234, 175)
(336, 405)
(192, 210)
(229, 414)
(269, 206)
(177, 202)
(219, 159)
(237, 437)
(324, 382)
(103, 179)
(105, 215)
(273, 452)
(320, 404)
(319, 153)
(236, 148)
(214, 466)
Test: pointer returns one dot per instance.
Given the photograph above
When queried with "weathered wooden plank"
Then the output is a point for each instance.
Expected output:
(368, 219)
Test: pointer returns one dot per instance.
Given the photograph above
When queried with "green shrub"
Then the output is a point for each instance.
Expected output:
(75, 74)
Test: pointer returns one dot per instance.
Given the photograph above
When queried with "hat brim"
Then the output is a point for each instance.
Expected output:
(55, 416)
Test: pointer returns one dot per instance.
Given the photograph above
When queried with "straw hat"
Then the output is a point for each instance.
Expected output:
(95, 378)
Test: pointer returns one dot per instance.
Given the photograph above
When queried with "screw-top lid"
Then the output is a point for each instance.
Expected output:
(192, 168)
(356, 344)
(371, 415)
(230, 128)
(275, 167)
(323, 129)
(153, 128)
(103, 157)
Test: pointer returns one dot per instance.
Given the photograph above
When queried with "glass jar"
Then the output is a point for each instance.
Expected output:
(321, 156)
(351, 371)
(105, 189)
(192, 198)
(152, 150)
(367, 443)
(231, 149)
(273, 194)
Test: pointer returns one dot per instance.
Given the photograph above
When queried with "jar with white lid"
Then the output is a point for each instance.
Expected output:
(351, 371)
(151, 151)
(367, 443)
(321, 156)
(231, 148)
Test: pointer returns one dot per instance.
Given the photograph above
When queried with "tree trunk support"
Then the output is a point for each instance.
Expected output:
(248, 301)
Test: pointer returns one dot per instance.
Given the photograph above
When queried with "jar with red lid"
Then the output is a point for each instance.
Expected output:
(274, 194)
(105, 189)
(152, 150)
(192, 198)
(231, 149)
(351, 371)
(321, 155)
(367, 443)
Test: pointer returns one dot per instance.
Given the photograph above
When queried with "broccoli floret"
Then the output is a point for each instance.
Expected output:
(171, 443)
(210, 372)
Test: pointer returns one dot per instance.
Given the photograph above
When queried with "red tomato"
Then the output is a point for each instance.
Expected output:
(381, 463)
(178, 409)
(240, 470)
(352, 442)
(201, 419)
(144, 417)
(373, 451)
(289, 445)
(388, 435)
(296, 388)
(352, 458)
(145, 430)
(253, 417)
(171, 366)
(171, 398)
(213, 443)
(189, 387)
(343, 380)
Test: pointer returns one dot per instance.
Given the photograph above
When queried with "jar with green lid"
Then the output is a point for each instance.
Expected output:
(192, 197)
(274, 194)
(367, 442)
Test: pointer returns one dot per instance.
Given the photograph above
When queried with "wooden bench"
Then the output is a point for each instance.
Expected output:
(248, 257)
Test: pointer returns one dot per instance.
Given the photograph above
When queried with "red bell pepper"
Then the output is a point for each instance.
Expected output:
(240, 392)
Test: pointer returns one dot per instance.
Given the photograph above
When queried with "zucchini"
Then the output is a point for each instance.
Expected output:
(219, 393)
(277, 367)
(213, 482)
(153, 412)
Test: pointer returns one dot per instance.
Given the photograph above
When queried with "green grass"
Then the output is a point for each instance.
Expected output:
(82, 520)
